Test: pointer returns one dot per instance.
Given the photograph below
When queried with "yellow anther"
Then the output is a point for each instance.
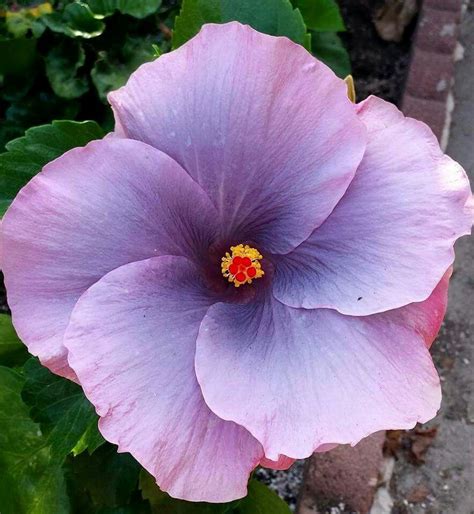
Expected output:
(242, 265)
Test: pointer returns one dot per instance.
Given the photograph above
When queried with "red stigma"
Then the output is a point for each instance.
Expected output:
(234, 268)
(242, 266)
(240, 277)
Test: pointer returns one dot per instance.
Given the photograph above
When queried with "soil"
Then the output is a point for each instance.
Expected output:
(378, 67)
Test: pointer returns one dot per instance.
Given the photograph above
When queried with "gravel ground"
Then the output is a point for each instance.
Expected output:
(286, 483)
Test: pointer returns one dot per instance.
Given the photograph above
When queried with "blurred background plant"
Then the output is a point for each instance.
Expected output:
(59, 59)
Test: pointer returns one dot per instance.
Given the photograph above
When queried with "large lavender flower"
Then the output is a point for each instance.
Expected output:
(238, 160)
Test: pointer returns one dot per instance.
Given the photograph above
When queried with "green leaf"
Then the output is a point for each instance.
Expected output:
(136, 508)
(12, 351)
(37, 28)
(15, 87)
(328, 47)
(156, 50)
(135, 8)
(77, 20)
(110, 478)
(38, 107)
(63, 63)
(59, 405)
(162, 503)
(261, 500)
(274, 17)
(308, 41)
(31, 481)
(26, 155)
(321, 15)
(17, 56)
(8, 131)
(90, 440)
(19, 22)
(111, 72)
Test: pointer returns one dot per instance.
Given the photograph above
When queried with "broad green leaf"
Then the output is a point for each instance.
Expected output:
(8, 131)
(17, 56)
(26, 155)
(135, 508)
(15, 87)
(59, 405)
(4, 204)
(76, 20)
(63, 66)
(328, 47)
(111, 72)
(260, 500)
(38, 107)
(321, 15)
(19, 22)
(37, 28)
(274, 17)
(135, 8)
(162, 503)
(31, 480)
(109, 478)
(12, 351)
(90, 440)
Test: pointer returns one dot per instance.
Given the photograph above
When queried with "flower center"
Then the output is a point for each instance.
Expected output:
(242, 266)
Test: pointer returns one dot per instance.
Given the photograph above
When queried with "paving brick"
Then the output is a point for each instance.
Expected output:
(431, 71)
(432, 112)
(438, 31)
(430, 75)
(345, 474)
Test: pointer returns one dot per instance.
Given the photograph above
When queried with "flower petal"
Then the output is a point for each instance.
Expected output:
(93, 209)
(282, 463)
(390, 239)
(298, 379)
(428, 316)
(131, 341)
(264, 127)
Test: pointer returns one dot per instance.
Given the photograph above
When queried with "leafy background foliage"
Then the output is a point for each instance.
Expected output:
(58, 61)
(25, 156)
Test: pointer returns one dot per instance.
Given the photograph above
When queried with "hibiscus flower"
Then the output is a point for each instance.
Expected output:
(249, 269)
